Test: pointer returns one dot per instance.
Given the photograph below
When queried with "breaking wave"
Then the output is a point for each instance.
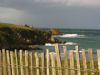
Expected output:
(71, 36)
(71, 43)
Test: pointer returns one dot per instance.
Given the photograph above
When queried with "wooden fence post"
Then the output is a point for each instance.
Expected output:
(66, 71)
(91, 60)
(8, 62)
(84, 62)
(53, 64)
(98, 55)
(26, 62)
(77, 48)
(72, 71)
(58, 59)
(16, 62)
(31, 63)
(4, 62)
(12, 62)
(78, 61)
(37, 64)
(48, 61)
(21, 63)
(0, 62)
(42, 64)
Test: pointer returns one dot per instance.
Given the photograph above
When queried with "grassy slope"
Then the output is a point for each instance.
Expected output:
(3, 25)
(11, 34)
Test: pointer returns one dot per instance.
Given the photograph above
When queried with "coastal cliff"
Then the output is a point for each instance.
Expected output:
(21, 36)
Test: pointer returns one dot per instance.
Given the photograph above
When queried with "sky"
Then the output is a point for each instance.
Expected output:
(84, 14)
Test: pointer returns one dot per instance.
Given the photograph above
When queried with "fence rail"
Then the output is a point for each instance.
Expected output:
(24, 62)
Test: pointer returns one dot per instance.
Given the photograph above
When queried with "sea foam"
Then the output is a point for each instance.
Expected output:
(71, 36)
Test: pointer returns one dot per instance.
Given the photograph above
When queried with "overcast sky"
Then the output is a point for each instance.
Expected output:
(52, 13)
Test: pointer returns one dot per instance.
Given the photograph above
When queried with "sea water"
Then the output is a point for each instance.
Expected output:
(85, 38)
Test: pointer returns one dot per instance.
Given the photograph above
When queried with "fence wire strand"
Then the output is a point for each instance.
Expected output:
(50, 67)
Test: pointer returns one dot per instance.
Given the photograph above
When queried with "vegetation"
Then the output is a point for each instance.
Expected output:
(55, 31)
(19, 36)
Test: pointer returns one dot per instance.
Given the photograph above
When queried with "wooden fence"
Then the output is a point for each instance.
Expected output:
(24, 62)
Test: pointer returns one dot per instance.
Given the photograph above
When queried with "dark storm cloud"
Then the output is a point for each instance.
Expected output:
(52, 13)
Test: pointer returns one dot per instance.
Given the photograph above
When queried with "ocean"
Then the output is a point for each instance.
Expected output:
(85, 38)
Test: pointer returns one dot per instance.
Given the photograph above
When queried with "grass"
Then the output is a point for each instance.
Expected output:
(3, 25)
(82, 67)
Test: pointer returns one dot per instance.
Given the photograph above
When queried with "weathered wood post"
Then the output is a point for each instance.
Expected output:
(42, 64)
(77, 60)
(12, 62)
(48, 62)
(98, 55)
(91, 60)
(31, 63)
(53, 64)
(72, 71)
(16, 62)
(26, 62)
(21, 63)
(4, 62)
(0, 62)
(8, 62)
(37, 64)
(84, 62)
(66, 71)
(58, 59)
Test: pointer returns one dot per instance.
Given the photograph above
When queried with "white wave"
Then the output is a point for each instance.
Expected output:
(70, 43)
(48, 44)
(71, 36)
